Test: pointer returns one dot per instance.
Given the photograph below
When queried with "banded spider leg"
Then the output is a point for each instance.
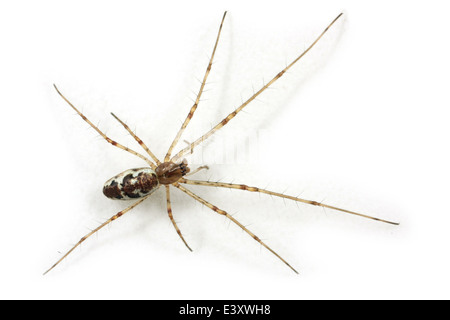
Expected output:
(221, 124)
(149, 162)
(114, 217)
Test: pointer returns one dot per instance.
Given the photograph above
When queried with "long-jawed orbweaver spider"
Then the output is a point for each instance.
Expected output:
(140, 183)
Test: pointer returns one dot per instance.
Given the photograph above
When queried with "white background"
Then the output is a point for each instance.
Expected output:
(361, 123)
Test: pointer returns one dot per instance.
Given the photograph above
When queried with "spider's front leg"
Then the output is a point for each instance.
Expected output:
(197, 100)
(233, 114)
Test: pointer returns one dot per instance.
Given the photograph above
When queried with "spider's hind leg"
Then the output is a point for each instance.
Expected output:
(138, 140)
(114, 217)
(104, 136)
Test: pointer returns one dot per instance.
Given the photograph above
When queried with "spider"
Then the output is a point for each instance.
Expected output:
(140, 183)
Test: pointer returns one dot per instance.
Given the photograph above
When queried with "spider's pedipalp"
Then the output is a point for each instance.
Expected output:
(197, 170)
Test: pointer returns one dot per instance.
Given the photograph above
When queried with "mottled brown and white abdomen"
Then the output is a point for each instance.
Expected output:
(131, 184)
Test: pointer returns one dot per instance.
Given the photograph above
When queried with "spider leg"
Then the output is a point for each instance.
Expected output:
(224, 213)
(255, 189)
(197, 100)
(114, 143)
(169, 211)
(114, 217)
(242, 106)
(141, 143)
(188, 143)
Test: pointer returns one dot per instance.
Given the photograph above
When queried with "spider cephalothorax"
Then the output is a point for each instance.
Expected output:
(169, 172)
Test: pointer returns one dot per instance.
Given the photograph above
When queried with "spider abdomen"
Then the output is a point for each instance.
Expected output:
(131, 184)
